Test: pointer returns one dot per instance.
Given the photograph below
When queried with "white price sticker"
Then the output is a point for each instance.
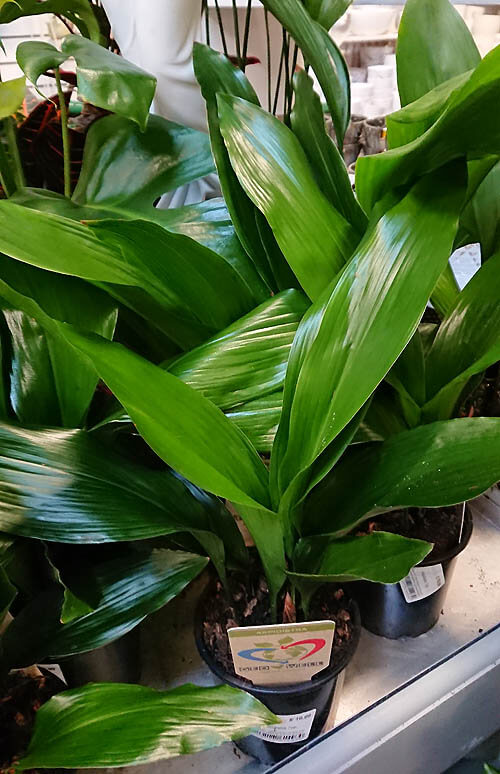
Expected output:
(293, 728)
(421, 582)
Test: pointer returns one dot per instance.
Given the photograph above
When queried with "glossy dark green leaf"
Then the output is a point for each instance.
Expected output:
(193, 283)
(354, 336)
(80, 12)
(464, 128)
(131, 586)
(216, 74)
(467, 342)
(434, 45)
(273, 169)
(11, 96)
(327, 12)
(109, 81)
(409, 369)
(184, 428)
(65, 486)
(50, 383)
(248, 359)
(156, 725)
(259, 419)
(34, 57)
(443, 463)
(405, 125)
(127, 170)
(490, 769)
(381, 557)
(308, 124)
(321, 52)
(445, 292)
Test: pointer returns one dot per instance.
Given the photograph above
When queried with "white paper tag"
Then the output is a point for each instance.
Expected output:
(55, 669)
(293, 728)
(421, 582)
(281, 654)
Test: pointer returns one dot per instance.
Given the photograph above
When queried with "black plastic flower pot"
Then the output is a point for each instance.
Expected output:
(386, 612)
(304, 707)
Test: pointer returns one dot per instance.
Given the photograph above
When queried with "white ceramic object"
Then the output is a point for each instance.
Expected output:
(380, 106)
(362, 91)
(486, 43)
(390, 60)
(381, 74)
(371, 20)
(486, 25)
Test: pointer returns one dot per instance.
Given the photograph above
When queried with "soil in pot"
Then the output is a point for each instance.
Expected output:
(21, 696)
(484, 401)
(306, 705)
(413, 607)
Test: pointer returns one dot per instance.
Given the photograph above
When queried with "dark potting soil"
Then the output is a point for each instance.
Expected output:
(440, 526)
(484, 400)
(21, 696)
(248, 605)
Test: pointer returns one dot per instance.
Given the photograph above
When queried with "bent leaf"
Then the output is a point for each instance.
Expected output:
(139, 724)
(109, 81)
(259, 419)
(34, 57)
(79, 12)
(464, 128)
(129, 587)
(381, 557)
(127, 170)
(443, 463)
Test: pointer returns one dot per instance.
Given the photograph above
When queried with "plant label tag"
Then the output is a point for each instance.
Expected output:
(281, 654)
(293, 728)
(421, 582)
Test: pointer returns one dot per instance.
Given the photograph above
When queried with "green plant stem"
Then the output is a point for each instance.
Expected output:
(292, 73)
(6, 177)
(246, 34)
(237, 34)
(65, 135)
(221, 28)
(278, 81)
(269, 63)
(16, 166)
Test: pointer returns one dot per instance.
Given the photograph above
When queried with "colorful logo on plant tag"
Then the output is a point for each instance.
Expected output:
(290, 651)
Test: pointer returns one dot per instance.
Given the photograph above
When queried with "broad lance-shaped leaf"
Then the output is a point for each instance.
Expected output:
(321, 52)
(139, 724)
(127, 170)
(67, 487)
(380, 557)
(11, 96)
(434, 45)
(248, 359)
(50, 383)
(464, 128)
(354, 337)
(188, 305)
(330, 172)
(443, 463)
(216, 74)
(405, 125)
(272, 167)
(467, 342)
(79, 12)
(131, 586)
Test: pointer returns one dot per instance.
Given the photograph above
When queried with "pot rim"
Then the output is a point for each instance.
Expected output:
(327, 674)
(456, 550)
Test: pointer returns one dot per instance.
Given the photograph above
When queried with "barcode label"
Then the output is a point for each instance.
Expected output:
(293, 728)
(421, 582)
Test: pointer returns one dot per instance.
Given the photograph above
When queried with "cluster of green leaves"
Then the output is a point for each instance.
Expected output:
(284, 319)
